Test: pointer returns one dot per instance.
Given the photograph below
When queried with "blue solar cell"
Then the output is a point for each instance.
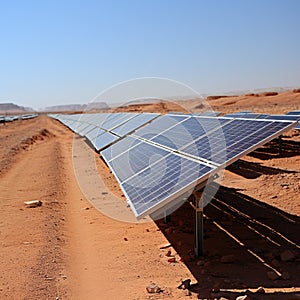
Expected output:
(104, 140)
(294, 113)
(87, 129)
(118, 120)
(139, 156)
(216, 142)
(91, 135)
(241, 144)
(188, 131)
(160, 183)
(283, 117)
(134, 123)
(116, 149)
(158, 125)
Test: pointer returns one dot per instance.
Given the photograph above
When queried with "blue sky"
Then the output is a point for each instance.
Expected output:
(59, 52)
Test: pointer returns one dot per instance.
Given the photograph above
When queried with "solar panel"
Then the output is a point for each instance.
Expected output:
(122, 146)
(160, 124)
(150, 176)
(139, 156)
(187, 131)
(239, 136)
(166, 158)
(294, 113)
(87, 129)
(162, 182)
(91, 135)
(134, 123)
(117, 121)
(241, 144)
(104, 140)
(283, 117)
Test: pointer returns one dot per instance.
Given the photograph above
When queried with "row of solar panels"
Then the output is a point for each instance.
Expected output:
(11, 118)
(157, 158)
(290, 116)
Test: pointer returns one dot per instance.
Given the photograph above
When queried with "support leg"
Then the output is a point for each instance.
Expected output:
(167, 217)
(198, 233)
(280, 145)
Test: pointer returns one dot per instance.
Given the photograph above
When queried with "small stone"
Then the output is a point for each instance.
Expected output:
(287, 255)
(33, 203)
(286, 275)
(125, 239)
(227, 259)
(165, 246)
(260, 290)
(272, 275)
(48, 278)
(172, 260)
(86, 208)
(168, 253)
(153, 288)
(244, 297)
(216, 288)
(185, 284)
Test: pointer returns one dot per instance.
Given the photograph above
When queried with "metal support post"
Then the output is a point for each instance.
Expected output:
(198, 224)
(280, 144)
(198, 232)
(167, 217)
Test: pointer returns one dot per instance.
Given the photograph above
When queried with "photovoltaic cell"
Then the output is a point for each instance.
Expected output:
(187, 131)
(91, 135)
(158, 125)
(217, 146)
(118, 120)
(123, 145)
(294, 113)
(158, 183)
(103, 140)
(133, 124)
(138, 157)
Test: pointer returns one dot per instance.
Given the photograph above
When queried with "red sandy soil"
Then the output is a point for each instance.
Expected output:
(69, 250)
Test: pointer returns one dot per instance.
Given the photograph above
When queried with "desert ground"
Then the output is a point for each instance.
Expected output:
(66, 249)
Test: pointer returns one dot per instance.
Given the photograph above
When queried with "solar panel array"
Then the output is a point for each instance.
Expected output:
(157, 158)
(295, 113)
(290, 116)
(11, 118)
(102, 130)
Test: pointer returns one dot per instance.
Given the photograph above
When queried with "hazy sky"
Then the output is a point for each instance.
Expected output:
(59, 52)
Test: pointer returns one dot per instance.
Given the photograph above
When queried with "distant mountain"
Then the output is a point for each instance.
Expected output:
(77, 107)
(65, 107)
(96, 105)
(13, 108)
